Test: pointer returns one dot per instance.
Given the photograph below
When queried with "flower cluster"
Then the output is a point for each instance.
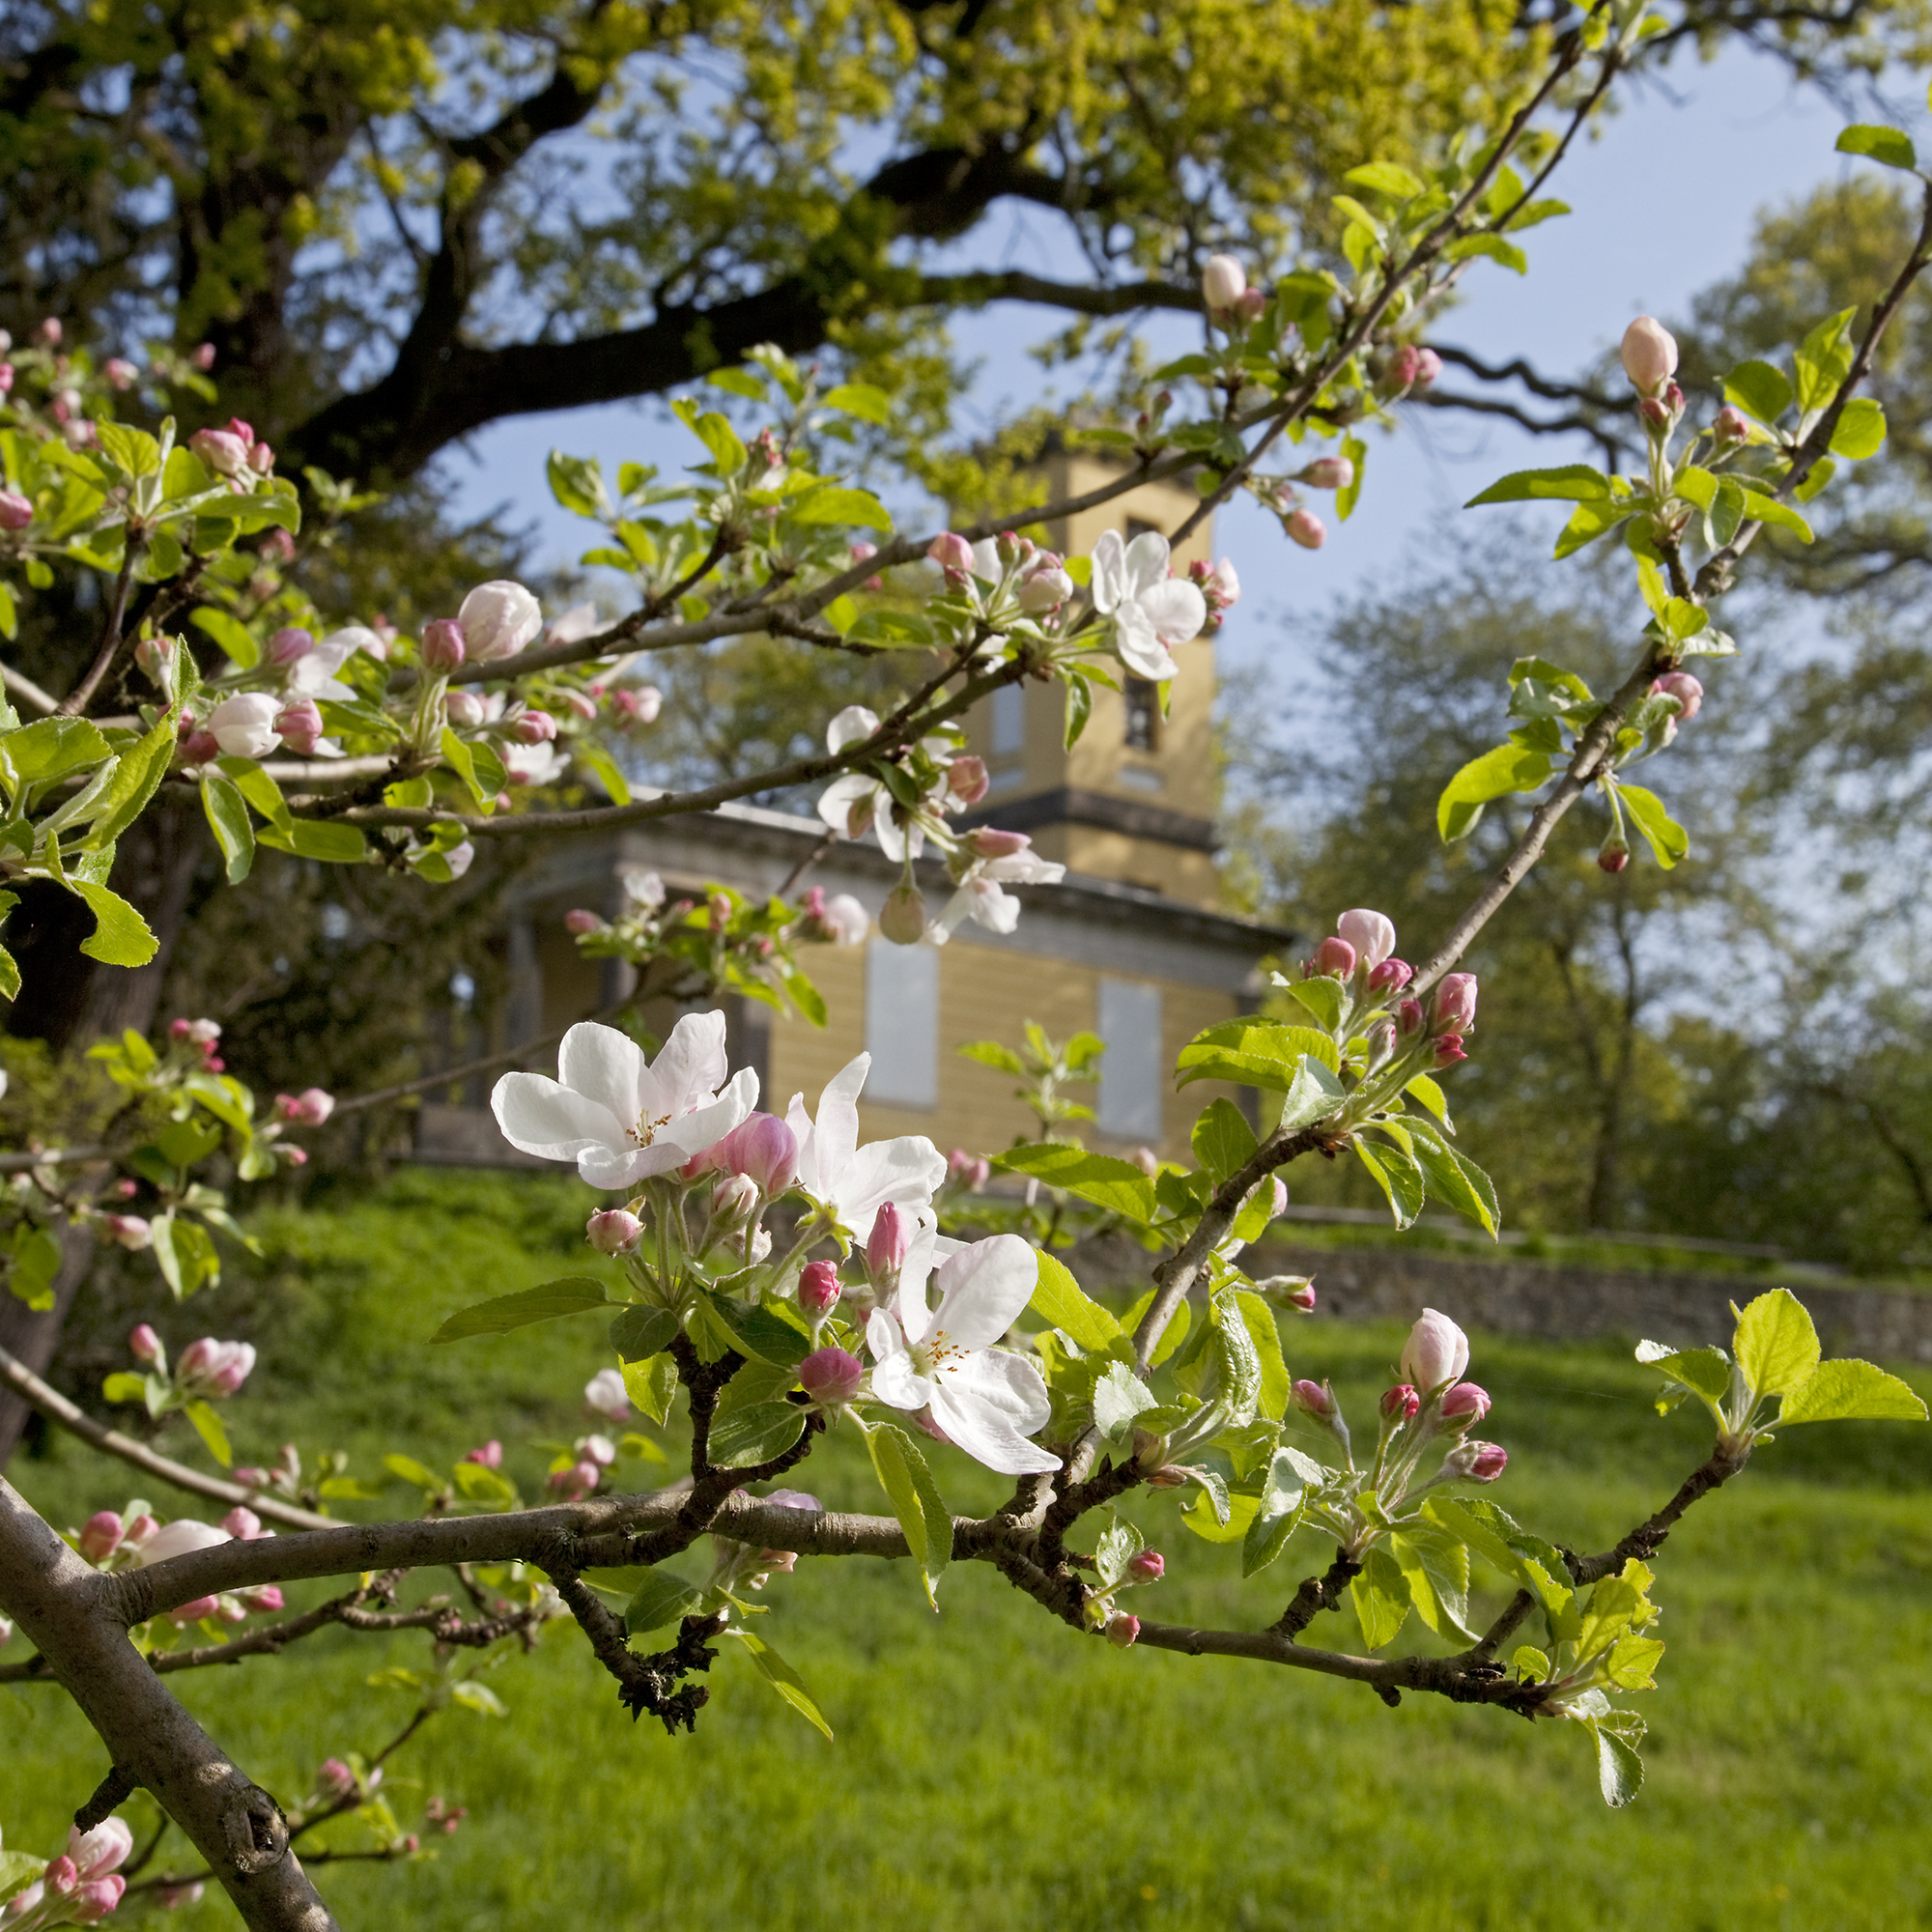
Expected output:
(132, 1538)
(1402, 1037)
(80, 1887)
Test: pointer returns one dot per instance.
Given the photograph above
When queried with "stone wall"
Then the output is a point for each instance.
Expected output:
(1522, 1297)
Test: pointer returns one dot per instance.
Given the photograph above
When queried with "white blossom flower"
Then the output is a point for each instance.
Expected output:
(857, 803)
(1152, 610)
(986, 1400)
(982, 896)
(620, 1116)
(848, 921)
(850, 1181)
(315, 673)
(530, 764)
(182, 1538)
(579, 621)
(244, 726)
(498, 618)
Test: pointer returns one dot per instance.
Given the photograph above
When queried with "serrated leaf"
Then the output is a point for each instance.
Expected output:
(839, 506)
(228, 819)
(1759, 389)
(915, 1499)
(570, 1295)
(409, 1470)
(757, 1433)
(1567, 483)
(208, 1425)
(1777, 1344)
(1118, 1396)
(639, 1333)
(1380, 1596)
(662, 1598)
(860, 399)
(1667, 838)
(1099, 1178)
(121, 936)
(782, 1678)
(1861, 429)
(1619, 1769)
(1850, 1391)
(1398, 1175)
(1509, 768)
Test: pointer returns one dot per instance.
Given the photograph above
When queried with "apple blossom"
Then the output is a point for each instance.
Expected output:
(1688, 691)
(970, 1171)
(104, 1849)
(128, 1230)
(640, 704)
(1334, 960)
(287, 646)
(582, 922)
(1122, 1630)
(1401, 1404)
(612, 1231)
(761, 1147)
(443, 648)
(1152, 610)
(99, 1536)
(818, 1288)
(620, 1116)
(830, 1376)
(849, 1183)
(902, 917)
(1466, 1403)
(953, 554)
(145, 1346)
(498, 618)
(982, 895)
(1649, 355)
(224, 452)
(487, 1454)
(243, 1525)
(1223, 282)
(1329, 473)
(210, 1368)
(533, 727)
(244, 726)
(1730, 425)
(16, 511)
(1391, 976)
(986, 1400)
(1306, 528)
(181, 1539)
(967, 780)
(1456, 1002)
(1150, 1566)
(604, 1395)
(1044, 587)
(1436, 1351)
(888, 1245)
(465, 710)
(847, 919)
(1371, 933)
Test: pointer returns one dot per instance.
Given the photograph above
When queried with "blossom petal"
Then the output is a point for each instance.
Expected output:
(706, 1125)
(691, 1067)
(836, 800)
(1175, 608)
(1110, 569)
(984, 1431)
(982, 1290)
(554, 1122)
(921, 1251)
(1008, 1382)
(1140, 649)
(1145, 564)
(997, 911)
(825, 1146)
(607, 1066)
(904, 1171)
(849, 725)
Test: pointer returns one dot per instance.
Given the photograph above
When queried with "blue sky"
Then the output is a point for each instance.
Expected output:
(1664, 202)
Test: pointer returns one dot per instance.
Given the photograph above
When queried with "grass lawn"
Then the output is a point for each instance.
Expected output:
(993, 1771)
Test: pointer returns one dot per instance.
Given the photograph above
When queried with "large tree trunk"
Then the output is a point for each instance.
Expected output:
(32, 1337)
(68, 998)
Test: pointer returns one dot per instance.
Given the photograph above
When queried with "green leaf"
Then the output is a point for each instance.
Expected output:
(1277, 1514)
(1215, 1516)
(1430, 1092)
(121, 935)
(915, 1499)
(651, 1385)
(833, 505)
(1568, 483)
(605, 766)
(1509, 768)
(662, 1598)
(1705, 1372)
(37, 1261)
(1779, 516)
(639, 1333)
(413, 1471)
(477, 1485)
(738, 383)
(134, 450)
(1321, 996)
(781, 1677)
(1589, 522)
(1256, 1052)
(1389, 177)
(1118, 1396)
(1435, 1566)
(1079, 709)
(1398, 1176)
(124, 1386)
(860, 399)
(51, 748)
(1265, 1332)
(1886, 146)
(570, 1295)
(1099, 1178)
(478, 1698)
(1455, 1179)
(1850, 1392)
(208, 1425)
(1491, 245)
(457, 755)
(229, 632)
(1223, 1140)
(1178, 1325)
(1061, 1302)
(1494, 1536)
(1759, 389)
(1777, 1344)
(228, 818)
(331, 843)
(1619, 1769)
(1861, 429)
(1822, 361)
(1381, 1594)
(757, 1433)
(1667, 838)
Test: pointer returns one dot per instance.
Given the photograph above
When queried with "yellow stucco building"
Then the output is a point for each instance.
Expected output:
(1129, 945)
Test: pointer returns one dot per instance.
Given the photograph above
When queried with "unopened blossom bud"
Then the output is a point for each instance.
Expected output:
(6, 375)
(214, 1368)
(1465, 1404)
(987, 841)
(1223, 282)
(734, 1200)
(96, 1898)
(1655, 411)
(1401, 1404)
(1448, 1050)
(199, 748)
(1334, 960)
(120, 373)
(953, 554)
(818, 1288)
(50, 331)
(890, 1243)
(334, 1778)
(1251, 304)
(1307, 530)
(1299, 1296)
(1615, 854)
(1410, 1018)
(131, 1232)
(860, 553)
(61, 1880)
(144, 1344)
(6, 1633)
(498, 618)
(1456, 1003)
(1437, 1350)
(533, 727)
(465, 709)
(243, 727)
(204, 1033)
(300, 726)
(763, 1148)
(576, 1482)
(902, 918)
(1391, 976)
(104, 1849)
(967, 780)
(243, 1525)
(192, 1612)
(1327, 473)
(310, 1108)
(155, 656)
(1371, 933)
(1489, 1460)
(1382, 1044)
(101, 1535)
(970, 1171)
(1688, 691)
(614, 1230)
(265, 1597)
(1044, 588)
(580, 702)
(1317, 1399)
(1649, 355)
(717, 908)
(442, 644)
(140, 1531)
(1147, 1160)
(1731, 426)
(1148, 1567)
(830, 1376)
(639, 703)
(604, 1395)
(225, 454)
(1122, 1630)
(581, 921)
(16, 511)
(287, 645)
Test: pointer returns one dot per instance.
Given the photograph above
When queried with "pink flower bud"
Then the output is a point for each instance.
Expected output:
(967, 780)
(6, 379)
(334, 1779)
(887, 1248)
(300, 726)
(1300, 1298)
(225, 453)
(129, 1230)
(200, 748)
(717, 908)
(209, 1367)
(266, 1597)
(1488, 1462)
(96, 1898)
(121, 373)
(1615, 854)
(1412, 367)
(818, 1288)
(1148, 1567)
(1223, 282)
(605, 1395)
(310, 1108)
(1437, 1350)
(442, 644)
(1655, 411)
(763, 1147)
(487, 1454)
(1401, 1404)
(101, 1535)
(970, 1171)
(830, 1376)
(1391, 976)
(184, 1614)
(145, 1346)
(50, 331)
(16, 511)
(1448, 1050)
(580, 702)
(1315, 1399)
(499, 619)
(140, 1531)
(1045, 588)
(1649, 355)
(61, 1879)
(1410, 1019)
(533, 727)
(902, 918)
(1334, 960)
(734, 1201)
(1307, 530)
(614, 1230)
(1371, 933)
(1686, 689)
(289, 645)
(243, 1525)
(1731, 426)
(1466, 1403)
(986, 842)
(1147, 1160)
(953, 554)
(1456, 1003)
(1251, 304)
(465, 709)
(582, 922)
(1122, 1629)
(1329, 473)
(104, 1849)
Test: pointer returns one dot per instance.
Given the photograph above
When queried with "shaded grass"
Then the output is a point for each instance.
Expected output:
(992, 1770)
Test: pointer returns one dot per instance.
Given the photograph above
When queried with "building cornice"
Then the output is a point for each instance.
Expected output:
(1078, 805)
